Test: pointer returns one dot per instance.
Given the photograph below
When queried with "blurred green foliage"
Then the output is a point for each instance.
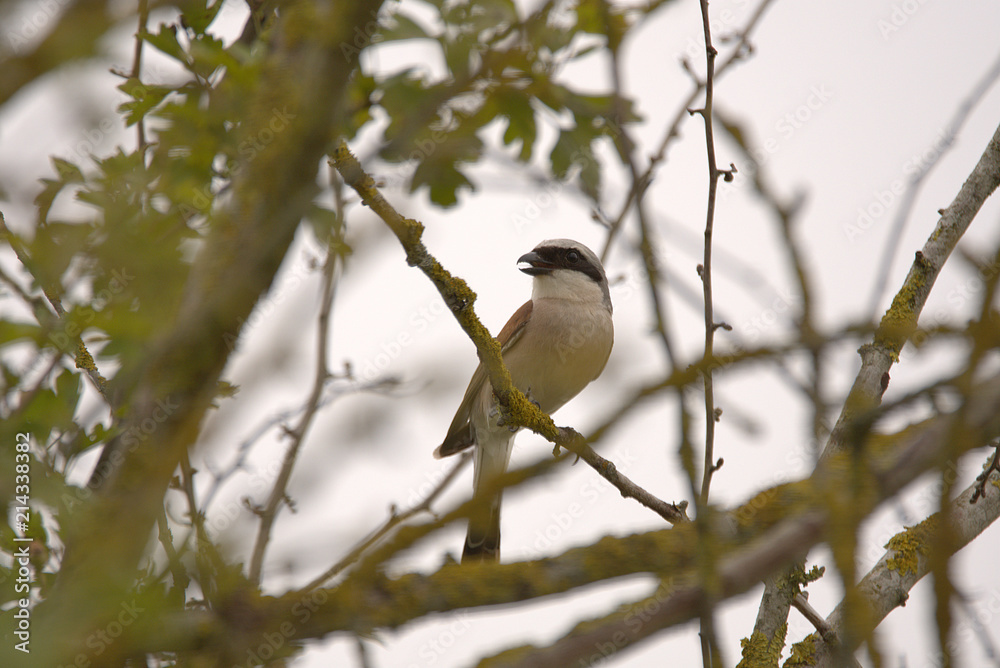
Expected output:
(97, 287)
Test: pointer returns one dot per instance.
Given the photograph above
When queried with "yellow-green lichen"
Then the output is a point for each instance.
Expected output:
(803, 653)
(761, 652)
(773, 504)
(908, 545)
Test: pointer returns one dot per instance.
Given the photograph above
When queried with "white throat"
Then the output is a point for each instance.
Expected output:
(566, 284)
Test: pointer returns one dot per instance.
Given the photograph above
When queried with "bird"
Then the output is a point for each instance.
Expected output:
(554, 345)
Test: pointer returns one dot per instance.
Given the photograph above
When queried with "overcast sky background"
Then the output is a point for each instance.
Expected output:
(846, 98)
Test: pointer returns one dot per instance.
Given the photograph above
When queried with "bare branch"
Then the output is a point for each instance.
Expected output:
(279, 492)
(888, 584)
(917, 180)
(740, 51)
(395, 519)
(900, 321)
(711, 655)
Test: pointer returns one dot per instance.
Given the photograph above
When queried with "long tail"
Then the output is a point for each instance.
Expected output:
(482, 541)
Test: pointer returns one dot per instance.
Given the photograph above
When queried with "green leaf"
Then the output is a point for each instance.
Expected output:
(574, 148)
(67, 173)
(443, 179)
(166, 41)
(516, 106)
(198, 16)
(399, 27)
(208, 54)
(323, 222)
(145, 97)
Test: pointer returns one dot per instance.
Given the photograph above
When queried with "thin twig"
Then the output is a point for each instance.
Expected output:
(395, 519)
(196, 517)
(626, 150)
(705, 269)
(711, 655)
(739, 52)
(137, 69)
(269, 512)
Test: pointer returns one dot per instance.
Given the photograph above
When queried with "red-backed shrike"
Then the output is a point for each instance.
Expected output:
(553, 346)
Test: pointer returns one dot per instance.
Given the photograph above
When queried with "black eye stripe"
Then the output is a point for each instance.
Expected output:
(561, 256)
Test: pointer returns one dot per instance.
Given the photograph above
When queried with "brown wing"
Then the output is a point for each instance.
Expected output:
(460, 434)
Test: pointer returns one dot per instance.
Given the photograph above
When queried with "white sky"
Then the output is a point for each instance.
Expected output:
(849, 106)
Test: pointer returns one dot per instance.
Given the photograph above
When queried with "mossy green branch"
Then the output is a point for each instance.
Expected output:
(515, 407)
(456, 294)
(900, 320)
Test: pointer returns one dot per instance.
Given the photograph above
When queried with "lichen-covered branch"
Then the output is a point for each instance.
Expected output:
(900, 320)
(757, 539)
(905, 562)
(460, 298)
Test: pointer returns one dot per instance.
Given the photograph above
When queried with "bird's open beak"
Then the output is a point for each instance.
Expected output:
(534, 265)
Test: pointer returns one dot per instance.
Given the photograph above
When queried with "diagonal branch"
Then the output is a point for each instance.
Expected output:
(887, 586)
(460, 298)
(900, 321)
(279, 494)
(775, 528)
(916, 181)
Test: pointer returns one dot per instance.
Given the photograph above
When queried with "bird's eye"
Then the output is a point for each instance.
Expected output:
(572, 257)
